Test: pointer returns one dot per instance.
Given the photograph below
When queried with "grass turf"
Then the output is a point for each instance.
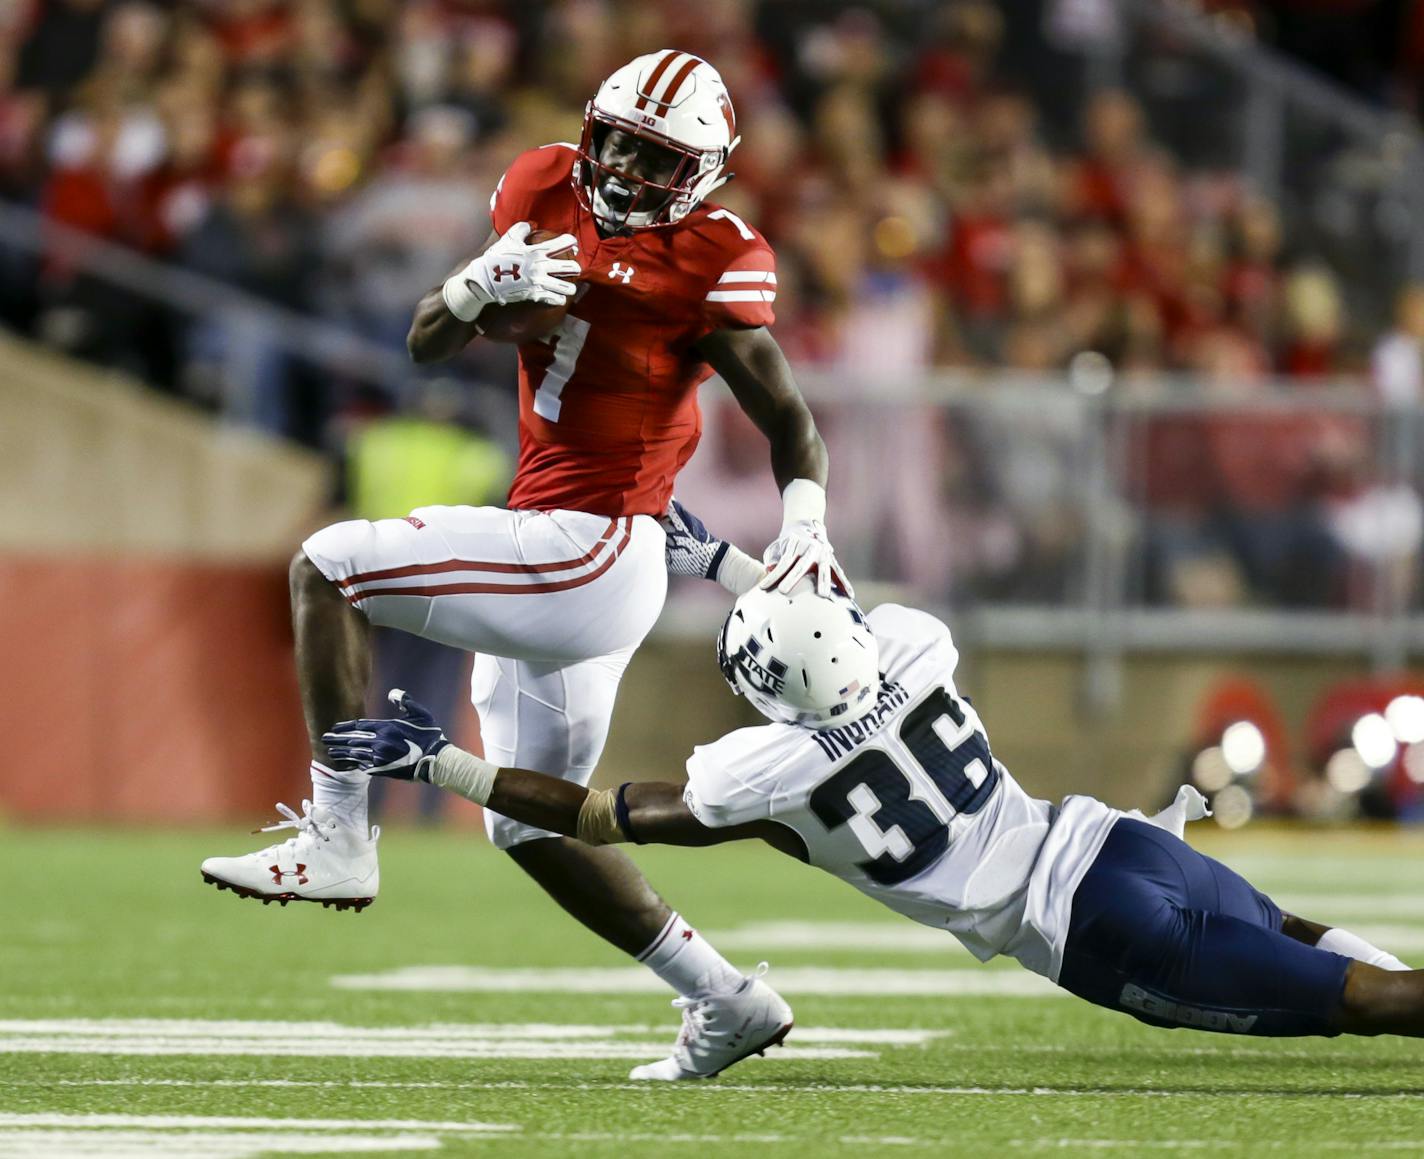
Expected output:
(116, 925)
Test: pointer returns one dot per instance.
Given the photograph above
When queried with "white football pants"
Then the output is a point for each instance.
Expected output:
(554, 603)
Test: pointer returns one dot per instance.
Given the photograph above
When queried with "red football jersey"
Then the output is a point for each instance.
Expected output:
(608, 403)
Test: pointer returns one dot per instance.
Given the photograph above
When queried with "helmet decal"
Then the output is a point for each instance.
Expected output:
(800, 658)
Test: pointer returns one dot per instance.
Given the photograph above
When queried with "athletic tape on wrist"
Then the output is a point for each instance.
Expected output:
(460, 300)
(598, 819)
(802, 501)
(464, 773)
(739, 572)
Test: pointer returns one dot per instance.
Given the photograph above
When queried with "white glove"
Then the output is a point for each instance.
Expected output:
(802, 544)
(801, 547)
(512, 271)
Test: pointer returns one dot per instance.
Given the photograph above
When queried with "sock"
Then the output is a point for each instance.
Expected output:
(344, 795)
(686, 961)
(1352, 946)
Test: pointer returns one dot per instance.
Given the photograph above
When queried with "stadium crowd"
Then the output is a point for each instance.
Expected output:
(930, 204)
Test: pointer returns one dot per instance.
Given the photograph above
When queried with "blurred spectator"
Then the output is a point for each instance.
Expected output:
(964, 185)
(257, 239)
(1398, 359)
(406, 230)
(1314, 323)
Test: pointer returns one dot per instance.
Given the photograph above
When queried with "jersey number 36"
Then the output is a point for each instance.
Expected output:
(901, 815)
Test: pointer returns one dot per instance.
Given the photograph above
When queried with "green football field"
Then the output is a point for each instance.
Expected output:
(145, 1014)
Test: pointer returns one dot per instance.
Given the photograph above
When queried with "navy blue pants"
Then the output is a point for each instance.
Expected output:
(1174, 938)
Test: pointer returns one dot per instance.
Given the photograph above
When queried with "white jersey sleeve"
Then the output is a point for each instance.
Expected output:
(735, 780)
(909, 638)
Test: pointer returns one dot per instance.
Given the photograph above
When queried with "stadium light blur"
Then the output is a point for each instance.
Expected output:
(1405, 715)
(1414, 763)
(1232, 807)
(1374, 740)
(1347, 771)
(1210, 772)
(1243, 747)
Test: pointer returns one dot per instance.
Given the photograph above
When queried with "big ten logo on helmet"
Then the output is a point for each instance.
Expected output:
(769, 678)
(648, 119)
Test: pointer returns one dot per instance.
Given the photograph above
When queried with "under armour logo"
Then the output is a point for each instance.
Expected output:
(687, 935)
(300, 873)
(500, 272)
(619, 270)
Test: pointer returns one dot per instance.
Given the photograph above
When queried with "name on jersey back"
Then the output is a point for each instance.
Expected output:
(837, 742)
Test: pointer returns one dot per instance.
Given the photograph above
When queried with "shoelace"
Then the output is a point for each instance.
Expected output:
(694, 1010)
(302, 823)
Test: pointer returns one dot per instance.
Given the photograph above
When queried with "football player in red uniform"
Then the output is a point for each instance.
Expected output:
(555, 593)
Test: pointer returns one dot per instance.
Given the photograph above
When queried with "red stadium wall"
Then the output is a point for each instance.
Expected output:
(145, 690)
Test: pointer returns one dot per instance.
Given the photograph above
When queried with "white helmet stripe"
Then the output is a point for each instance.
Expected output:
(647, 93)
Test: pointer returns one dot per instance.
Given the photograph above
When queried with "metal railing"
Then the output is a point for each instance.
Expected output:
(1348, 174)
(1060, 516)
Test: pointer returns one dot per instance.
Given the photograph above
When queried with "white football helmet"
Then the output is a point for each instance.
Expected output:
(675, 104)
(801, 658)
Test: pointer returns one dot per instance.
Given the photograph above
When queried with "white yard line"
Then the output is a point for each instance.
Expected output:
(102, 1143)
(232, 1122)
(119, 1144)
(819, 1089)
(865, 984)
(363, 1048)
(437, 1033)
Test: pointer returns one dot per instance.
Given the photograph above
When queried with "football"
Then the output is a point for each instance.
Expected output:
(524, 321)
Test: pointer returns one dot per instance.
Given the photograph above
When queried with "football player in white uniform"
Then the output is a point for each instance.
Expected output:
(875, 768)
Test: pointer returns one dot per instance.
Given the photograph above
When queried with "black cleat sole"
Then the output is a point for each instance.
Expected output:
(777, 1039)
(351, 903)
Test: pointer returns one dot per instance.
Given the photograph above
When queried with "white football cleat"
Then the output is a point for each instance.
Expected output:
(327, 861)
(722, 1030)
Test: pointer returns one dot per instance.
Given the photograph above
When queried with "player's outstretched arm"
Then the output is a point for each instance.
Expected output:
(760, 378)
(447, 318)
(694, 551)
(413, 747)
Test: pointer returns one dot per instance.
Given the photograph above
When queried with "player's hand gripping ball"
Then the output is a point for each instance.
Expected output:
(531, 320)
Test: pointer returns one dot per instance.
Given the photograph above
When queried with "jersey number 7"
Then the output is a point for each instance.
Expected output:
(888, 807)
(567, 342)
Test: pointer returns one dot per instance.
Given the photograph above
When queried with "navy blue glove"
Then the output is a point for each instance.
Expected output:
(404, 748)
(691, 548)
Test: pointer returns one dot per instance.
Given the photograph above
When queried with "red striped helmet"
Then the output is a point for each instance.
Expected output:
(676, 129)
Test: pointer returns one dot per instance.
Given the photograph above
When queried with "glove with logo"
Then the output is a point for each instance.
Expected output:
(513, 270)
(799, 548)
(802, 545)
(694, 551)
(404, 749)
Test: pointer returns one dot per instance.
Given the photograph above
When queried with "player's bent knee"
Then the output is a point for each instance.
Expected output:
(303, 576)
(1375, 1001)
(333, 551)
